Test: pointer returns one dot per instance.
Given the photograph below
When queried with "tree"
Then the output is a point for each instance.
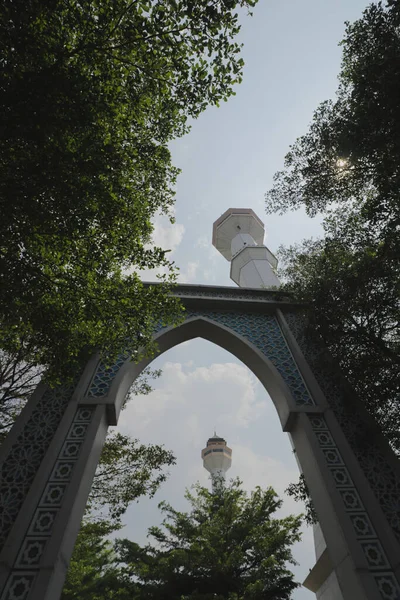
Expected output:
(126, 471)
(347, 167)
(90, 95)
(18, 380)
(351, 153)
(300, 493)
(94, 572)
(351, 280)
(228, 546)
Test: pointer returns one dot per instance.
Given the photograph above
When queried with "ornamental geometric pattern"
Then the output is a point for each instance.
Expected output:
(368, 540)
(19, 586)
(383, 481)
(262, 330)
(40, 529)
(235, 294)
(387, 586)
(104, 376)
(26, 455)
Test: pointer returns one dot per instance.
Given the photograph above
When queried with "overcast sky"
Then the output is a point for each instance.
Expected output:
(228, 160)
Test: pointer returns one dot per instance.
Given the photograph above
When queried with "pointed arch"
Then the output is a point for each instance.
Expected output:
(207, 329)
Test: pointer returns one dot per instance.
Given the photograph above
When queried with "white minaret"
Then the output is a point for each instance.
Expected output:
(239, 235)
(217, 458)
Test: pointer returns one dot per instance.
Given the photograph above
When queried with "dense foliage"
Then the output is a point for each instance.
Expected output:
(94, 572)
(228, 546)
(18, 379)
(348, 167)
(90, 95)
(127, 470)
(351, 152)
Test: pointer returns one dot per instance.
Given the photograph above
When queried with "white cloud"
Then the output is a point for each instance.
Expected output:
(256, 469)
(168, 236)
(204, 241)
(209, 275)
(187, 389)
(189, 274)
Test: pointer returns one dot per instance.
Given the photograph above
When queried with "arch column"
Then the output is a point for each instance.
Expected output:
(347, 508)
(48, 462)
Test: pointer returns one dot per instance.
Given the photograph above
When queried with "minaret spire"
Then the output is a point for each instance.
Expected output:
(217, 459)
(239, 235)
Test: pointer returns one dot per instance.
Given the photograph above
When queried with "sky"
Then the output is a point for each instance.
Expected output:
(292, 59)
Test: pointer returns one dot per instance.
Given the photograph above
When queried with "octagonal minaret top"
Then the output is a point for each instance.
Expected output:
(217, 458)
(238, 235)
(236, 222)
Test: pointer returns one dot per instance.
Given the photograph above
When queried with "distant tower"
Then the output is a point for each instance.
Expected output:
(217, 458)
(239, 235)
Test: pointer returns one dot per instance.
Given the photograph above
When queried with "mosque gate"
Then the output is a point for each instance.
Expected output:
(50, 457)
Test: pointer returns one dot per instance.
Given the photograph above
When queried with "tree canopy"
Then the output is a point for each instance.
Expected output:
(94, 572)
(18, 379)
(348, 168)
(351, 280)
(230, 545)
(351, 153)
(90, 95)
(127, 470)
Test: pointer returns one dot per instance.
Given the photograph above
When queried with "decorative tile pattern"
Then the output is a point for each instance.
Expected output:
(388, 586)
(41, 526)
(332, 456)
(53, 494)
(70, 449)
(383, 481)
(18, 586)
(351, 500)
(375, 555)
(262, 330)
(104, 376)
(324, 439)
(317, 422)
(83, 415)
(30, 553)
(363, 529)
(236, 294)
(42, 522)
(362, 525)
(62, 470)
(78, 431)
(341, 477)
(25, 457)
